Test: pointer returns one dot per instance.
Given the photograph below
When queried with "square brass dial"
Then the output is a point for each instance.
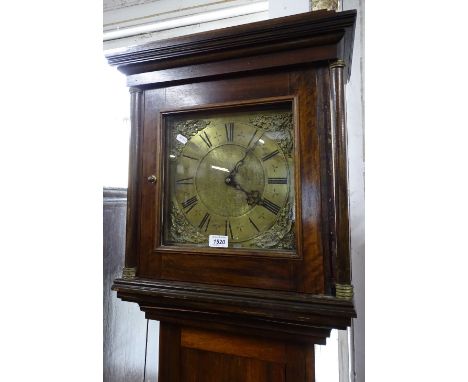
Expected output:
(230, 172)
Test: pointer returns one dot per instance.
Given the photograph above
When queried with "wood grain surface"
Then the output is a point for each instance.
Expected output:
(210, 356)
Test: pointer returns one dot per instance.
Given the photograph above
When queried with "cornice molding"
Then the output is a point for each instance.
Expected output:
(305, 29)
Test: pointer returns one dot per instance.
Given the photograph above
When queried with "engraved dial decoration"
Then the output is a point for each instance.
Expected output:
(231, 174)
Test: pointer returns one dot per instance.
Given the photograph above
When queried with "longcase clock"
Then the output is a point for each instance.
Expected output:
(237, 213)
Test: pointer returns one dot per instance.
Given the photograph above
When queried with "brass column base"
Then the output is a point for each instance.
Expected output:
(128, 273)
(344, 291)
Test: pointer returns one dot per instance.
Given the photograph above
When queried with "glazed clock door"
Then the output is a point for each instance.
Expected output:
(230, 174)
(237, 159)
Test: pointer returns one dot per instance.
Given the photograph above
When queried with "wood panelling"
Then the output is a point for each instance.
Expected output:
(310, 276)
(169, 357)
(262, 349)
(202, 366)
(233, 270)
(300, 363)
(208, 356)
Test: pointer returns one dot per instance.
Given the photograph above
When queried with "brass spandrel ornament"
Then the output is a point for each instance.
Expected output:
(281, 235)
(231, 174)
(330, 5)
(181, 230)
(282, 125)
(186, 129)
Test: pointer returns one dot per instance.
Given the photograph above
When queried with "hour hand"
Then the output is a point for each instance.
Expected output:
(253, 197)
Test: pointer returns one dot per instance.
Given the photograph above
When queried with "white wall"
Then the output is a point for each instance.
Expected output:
(115, 127)
(356, 159)
(280, 8)
(148, 21)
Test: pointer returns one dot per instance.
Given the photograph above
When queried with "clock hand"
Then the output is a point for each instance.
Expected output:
(241, 162)
(253, 197)
(238, 164)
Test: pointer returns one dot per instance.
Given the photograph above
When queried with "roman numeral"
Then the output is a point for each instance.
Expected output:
(255, 226)
(206, 220)
(277, 180)
(229, 131)
(271, 155)
(190, 203)
(185, 181)
(270, 206)
(206, 139)
(228, 225)
(188, 156)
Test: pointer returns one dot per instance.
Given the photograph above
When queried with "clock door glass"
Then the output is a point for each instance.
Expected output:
(230, 173)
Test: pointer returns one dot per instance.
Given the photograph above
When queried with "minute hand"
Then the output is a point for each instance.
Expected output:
(241, 162)
(238, 164)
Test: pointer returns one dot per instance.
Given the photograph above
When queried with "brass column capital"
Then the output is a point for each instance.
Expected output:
(337, 64)
(331, 5)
